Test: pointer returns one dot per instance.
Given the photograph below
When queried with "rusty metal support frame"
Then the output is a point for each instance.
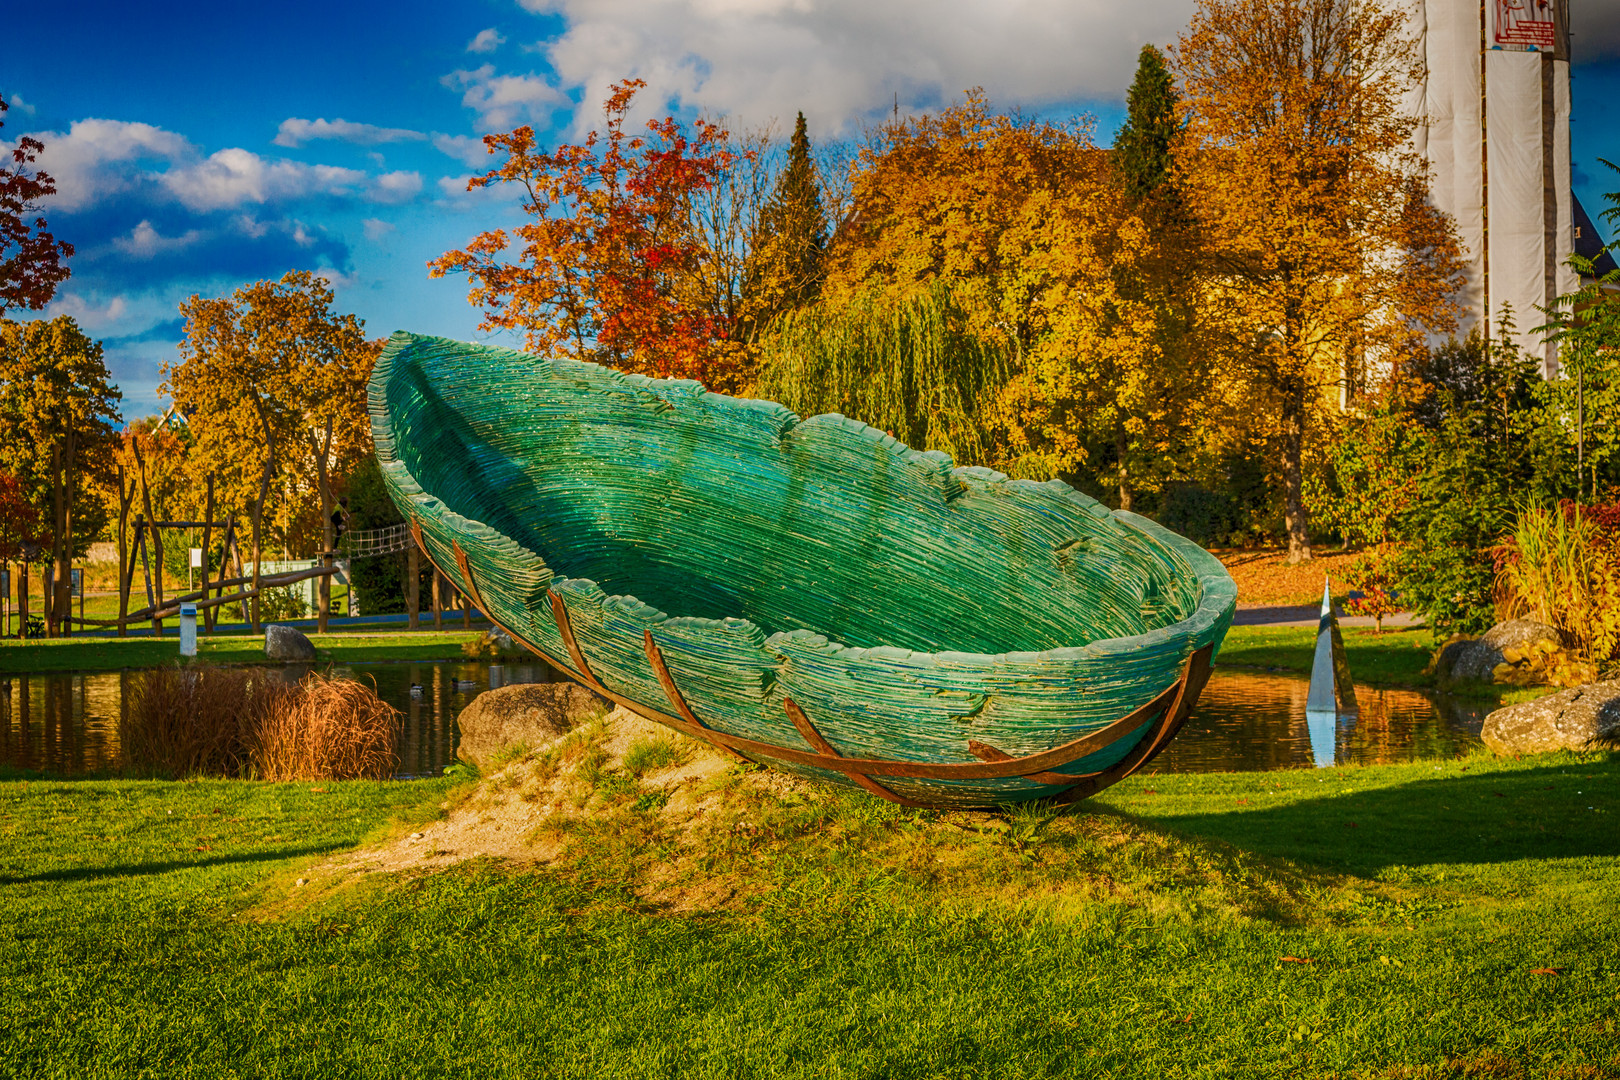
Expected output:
(1167, 712)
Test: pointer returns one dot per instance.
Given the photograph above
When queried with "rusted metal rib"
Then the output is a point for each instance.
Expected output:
(1193, 678)
(467, 579)
(655, 657)
(559, 614)
(815, 739)
(1168, 708)
(986, 752)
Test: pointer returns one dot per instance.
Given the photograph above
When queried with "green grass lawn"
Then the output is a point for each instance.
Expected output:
(111, 654)
(1393, 658)
(155, 929)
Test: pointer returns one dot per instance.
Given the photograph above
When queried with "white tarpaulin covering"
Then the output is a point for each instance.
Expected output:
(1503, 174)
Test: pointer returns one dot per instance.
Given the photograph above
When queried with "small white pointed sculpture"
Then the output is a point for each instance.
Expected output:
(1331, 695)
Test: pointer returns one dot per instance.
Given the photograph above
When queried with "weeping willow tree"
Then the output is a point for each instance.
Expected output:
(904, 365)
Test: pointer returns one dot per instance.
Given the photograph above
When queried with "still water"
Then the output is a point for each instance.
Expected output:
(1245, 720)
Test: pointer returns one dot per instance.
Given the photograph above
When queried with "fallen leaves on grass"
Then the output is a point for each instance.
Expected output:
(1546, 971)
(1298, 960)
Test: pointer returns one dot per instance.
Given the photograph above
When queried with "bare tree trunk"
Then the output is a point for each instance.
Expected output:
(413, 585)
(258, 507)
(322, 451)
(64, 545)
(438, 600)
(22, 599)
(126, 569)
(1295, 517)
(51, 605)
(157, 544)
(1121, 448)
(207, 540)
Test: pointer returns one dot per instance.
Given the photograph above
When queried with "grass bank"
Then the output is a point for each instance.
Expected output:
(113, 654)
(1393, 658)
(1394, 921)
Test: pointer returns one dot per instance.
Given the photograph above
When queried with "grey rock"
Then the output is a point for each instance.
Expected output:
(1476, 660)
(286, 643)
(522, 717)
(1517, 633)
(1585, 718)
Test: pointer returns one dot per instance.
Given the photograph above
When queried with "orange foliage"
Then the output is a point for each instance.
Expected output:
(609, 265)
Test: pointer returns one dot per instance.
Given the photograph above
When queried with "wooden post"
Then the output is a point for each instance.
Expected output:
(157, 542)
(413, 585)
(322, 451)
(438, 600)
(146, 562)
(126, 568)
(207, 540)
(51, 605)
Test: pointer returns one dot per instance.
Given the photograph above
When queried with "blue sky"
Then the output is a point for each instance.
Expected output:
(208, 145)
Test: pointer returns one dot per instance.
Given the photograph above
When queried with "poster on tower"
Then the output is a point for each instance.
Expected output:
(1525, 24)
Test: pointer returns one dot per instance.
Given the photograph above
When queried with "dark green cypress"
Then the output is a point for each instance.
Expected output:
(1142, 147)
(792, 242)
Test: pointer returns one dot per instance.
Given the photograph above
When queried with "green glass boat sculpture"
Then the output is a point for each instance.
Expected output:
(808, 594)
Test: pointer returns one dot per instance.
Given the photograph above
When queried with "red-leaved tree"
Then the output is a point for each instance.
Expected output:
(31, 265)
(610, 265)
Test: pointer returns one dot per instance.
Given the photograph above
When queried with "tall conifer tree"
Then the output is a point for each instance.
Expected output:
(1142, 147)
(792, 242)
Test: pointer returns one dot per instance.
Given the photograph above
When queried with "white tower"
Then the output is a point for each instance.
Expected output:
(1495, 129)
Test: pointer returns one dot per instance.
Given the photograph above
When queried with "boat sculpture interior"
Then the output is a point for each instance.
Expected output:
(809, 594)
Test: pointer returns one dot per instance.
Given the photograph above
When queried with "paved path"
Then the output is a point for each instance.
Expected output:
(1308, 615)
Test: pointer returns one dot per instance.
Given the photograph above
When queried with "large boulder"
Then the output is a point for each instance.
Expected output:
(1476, 660)
(286, 643)
(511, 719)
(1585, 718)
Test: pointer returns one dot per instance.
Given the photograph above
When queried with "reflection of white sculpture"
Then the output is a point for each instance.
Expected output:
(1331, 695)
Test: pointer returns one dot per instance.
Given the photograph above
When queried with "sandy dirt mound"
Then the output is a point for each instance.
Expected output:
(523, 810)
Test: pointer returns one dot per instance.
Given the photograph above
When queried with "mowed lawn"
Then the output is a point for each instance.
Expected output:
(84, 653)
(1439, 919)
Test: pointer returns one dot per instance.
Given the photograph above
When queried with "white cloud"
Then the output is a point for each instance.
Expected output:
(395, 187)
(467, 149)
(843, 60)
(95, 319)
(235, 176)
(145, 242)
(455, 187)
(16, 102)
(96, 159)
(486, 41)
(296, 132)
(504, 101)
(376, 228)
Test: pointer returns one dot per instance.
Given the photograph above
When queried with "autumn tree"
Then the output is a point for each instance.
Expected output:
(58, 407)
(1325, 256)
(609, 267)
(31, 265)
(789, 248)
(272, 384)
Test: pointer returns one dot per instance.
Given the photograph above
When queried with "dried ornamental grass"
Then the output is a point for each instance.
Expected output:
(211, 721)
(330, 729)
(1561, 570)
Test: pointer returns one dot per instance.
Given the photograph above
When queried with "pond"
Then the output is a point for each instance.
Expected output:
(1245, 720)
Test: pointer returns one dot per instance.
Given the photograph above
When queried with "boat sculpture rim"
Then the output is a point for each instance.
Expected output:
(1165, 713)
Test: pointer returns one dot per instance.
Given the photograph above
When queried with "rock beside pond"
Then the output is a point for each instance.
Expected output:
(1585, 718)
(1475, 660)
(286, 643)
(507, 721)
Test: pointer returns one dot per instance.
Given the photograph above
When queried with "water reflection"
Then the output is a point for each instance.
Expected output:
(68, 723)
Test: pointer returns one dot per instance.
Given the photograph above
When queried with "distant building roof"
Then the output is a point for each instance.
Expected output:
(1589, 242)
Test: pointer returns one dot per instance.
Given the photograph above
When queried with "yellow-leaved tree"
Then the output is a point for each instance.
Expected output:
(272, 384)
(1323, 258)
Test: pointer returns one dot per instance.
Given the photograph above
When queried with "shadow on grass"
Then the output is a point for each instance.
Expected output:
(1557, 811)
(91, 873)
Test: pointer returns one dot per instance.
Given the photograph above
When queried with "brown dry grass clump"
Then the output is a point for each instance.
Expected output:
(204, 720)
(328, 729)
